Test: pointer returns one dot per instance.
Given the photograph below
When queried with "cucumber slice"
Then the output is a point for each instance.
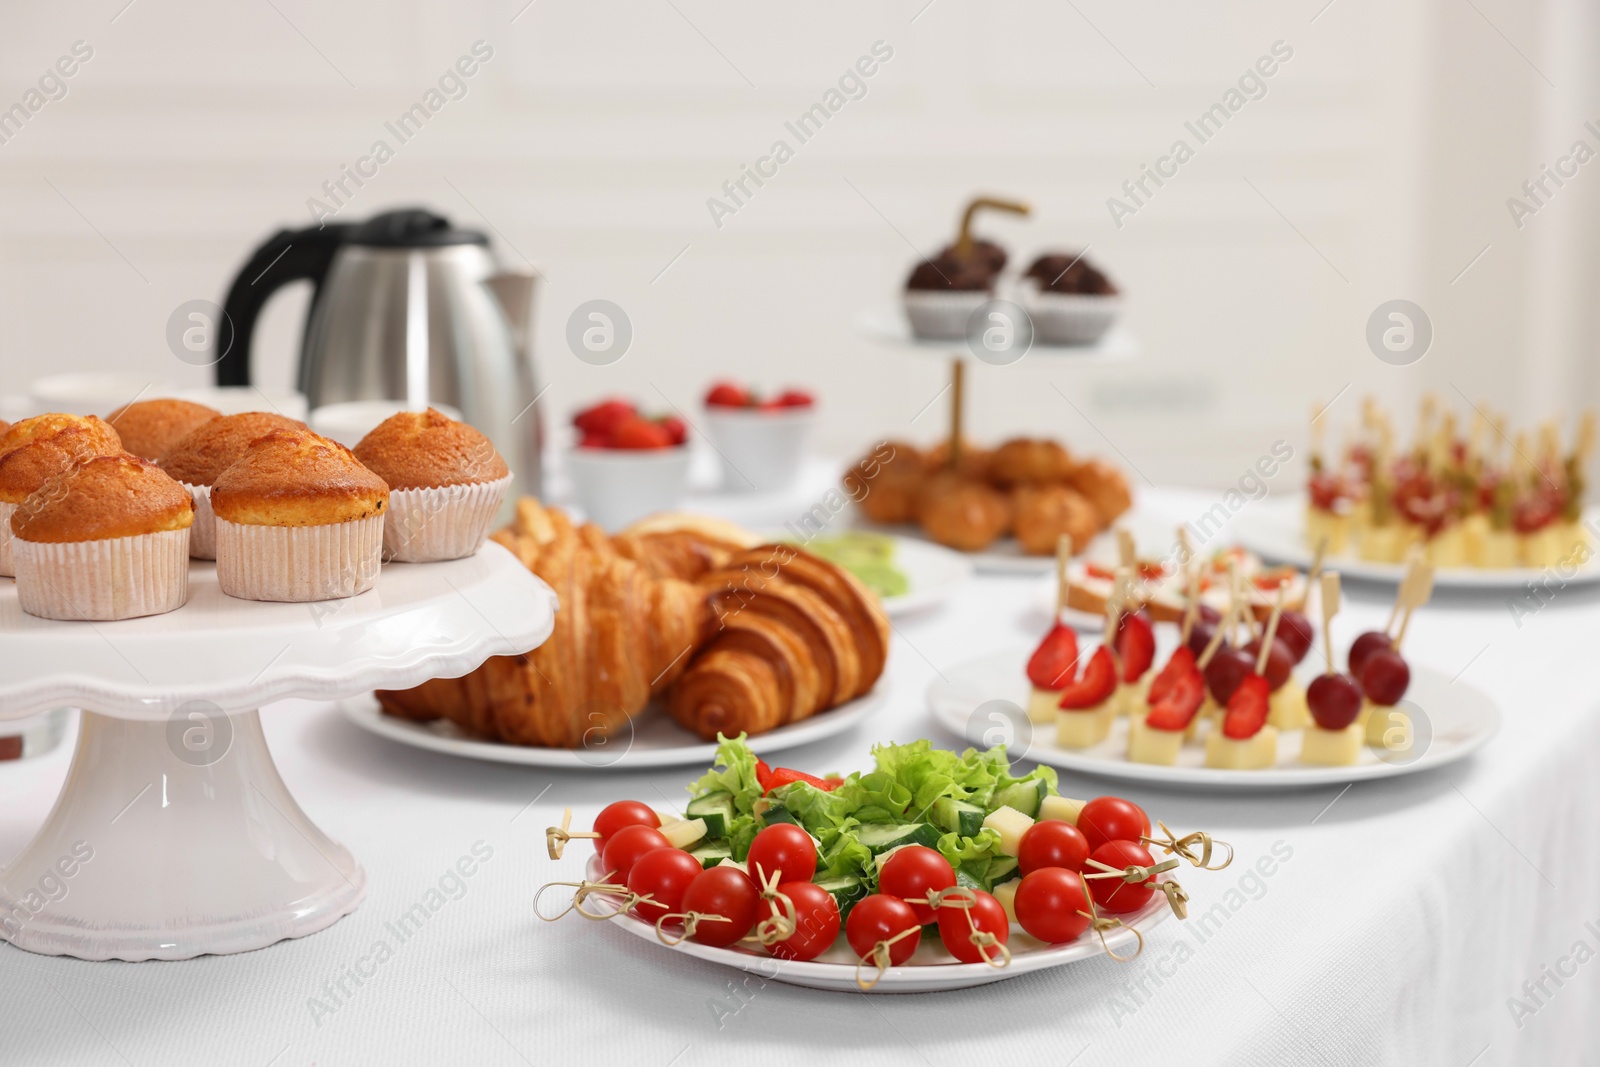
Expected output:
(881, 837)
(1023, 796)
(844, 891)
(776, 813)
(1001, 868)
(957, 816)
(716, 809)
(711, 855)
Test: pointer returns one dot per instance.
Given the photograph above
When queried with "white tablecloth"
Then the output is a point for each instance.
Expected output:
(1395, 922)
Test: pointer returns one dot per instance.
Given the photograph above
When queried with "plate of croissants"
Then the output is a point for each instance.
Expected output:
(1005, 507)
(670, 632)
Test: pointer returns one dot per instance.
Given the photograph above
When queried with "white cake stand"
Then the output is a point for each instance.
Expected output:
(174, 836)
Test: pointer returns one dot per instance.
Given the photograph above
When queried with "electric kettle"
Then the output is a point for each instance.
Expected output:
(405, 307)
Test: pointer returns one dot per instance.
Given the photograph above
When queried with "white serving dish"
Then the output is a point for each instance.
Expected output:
(615, 487)
(761, 451)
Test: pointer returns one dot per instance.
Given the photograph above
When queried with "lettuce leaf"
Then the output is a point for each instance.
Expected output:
(734, 773)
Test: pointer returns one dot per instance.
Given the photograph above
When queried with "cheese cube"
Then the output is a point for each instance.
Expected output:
(1043, 705)
(1332, 748)
(1389, 728)
(685, 833)
(1287, 709)
(1011, 824)
(1251, 754)
(1148, 745)
(1327, 524)
(1080, 729)
(1006, 894)
(1498, 549)
(1064, 808)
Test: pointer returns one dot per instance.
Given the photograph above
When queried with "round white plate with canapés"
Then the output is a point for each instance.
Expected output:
(932, 969)
(1447, 722)
(1274, 529)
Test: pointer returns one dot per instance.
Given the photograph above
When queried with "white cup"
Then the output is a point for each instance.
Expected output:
(616, 486)
(91, 392)
(348, 422)
(239, 399)
(761, 451)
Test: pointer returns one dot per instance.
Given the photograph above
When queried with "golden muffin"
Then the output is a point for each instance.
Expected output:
(149, 428)
(298, 519)
(446, 485)
(424, 450)
(106, 539)
(204, 453)
(37, 450)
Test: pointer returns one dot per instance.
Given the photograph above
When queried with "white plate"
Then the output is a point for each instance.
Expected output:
(655, 740)
(932, 571)
(1274, 529)
(1460, 717)
(890, 326)
(1003, 557)
(932, 969)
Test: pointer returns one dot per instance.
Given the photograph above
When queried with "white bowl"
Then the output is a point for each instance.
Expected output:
(760, 450)
(91, 393)
(348, 422)
(616, 486)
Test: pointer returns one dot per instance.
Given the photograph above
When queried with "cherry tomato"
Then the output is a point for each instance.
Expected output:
(1048, 903)
(878, 918)
(614, 817)
(1112, 819)
(783, 848)
(911, 873)
(724, 891)
(956, 925)
(1113, 894)
(664, 873)
(816, 921)
(1052, 843)
(625, 848)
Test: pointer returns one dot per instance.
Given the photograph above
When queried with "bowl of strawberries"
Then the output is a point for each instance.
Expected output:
(627, 464)
(760, 439)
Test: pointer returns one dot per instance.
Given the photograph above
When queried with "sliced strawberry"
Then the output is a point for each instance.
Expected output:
(1099, 681)
(796, 398)
(1177, 706)
(638, 433)
(604, 417)
(1054, 663)
(1096, 570)
(1136, 645)
(1247, 709)
(728, 395)
(1181, 663)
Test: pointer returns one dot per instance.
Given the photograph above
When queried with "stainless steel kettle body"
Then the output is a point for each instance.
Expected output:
(405, 308)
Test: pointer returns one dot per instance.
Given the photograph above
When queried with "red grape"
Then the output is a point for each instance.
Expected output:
(1335, 701)
(1280, 661)
(1227, 669)
(1385, 677)
(1366, 645)
(1294, 630)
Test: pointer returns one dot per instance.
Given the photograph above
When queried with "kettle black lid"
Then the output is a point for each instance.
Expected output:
(412, 228)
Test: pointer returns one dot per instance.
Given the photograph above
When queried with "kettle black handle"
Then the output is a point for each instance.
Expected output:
(287, 256)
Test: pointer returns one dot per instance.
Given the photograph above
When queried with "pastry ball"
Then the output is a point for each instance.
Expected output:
(975, 461)
(296, 478)
(148, 428)
(885, 483)
(1105, 487)
(1044, 512)
(426, 450)
(1024, 461)
(26, 468)
(962, 513)
(42, 427)
(201, 455)
(104, 497)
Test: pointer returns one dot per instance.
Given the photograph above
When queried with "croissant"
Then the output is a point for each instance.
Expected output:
(622, 635)
(796, 635)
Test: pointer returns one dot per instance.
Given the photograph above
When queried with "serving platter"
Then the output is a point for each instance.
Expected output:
(1274, 529)
(932, 969)
(654, 738)
(1454, 720)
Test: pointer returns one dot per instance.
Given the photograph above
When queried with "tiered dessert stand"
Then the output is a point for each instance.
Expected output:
(174, 835)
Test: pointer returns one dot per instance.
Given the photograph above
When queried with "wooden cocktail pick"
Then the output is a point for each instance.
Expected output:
(1127, 549)
(1217, 638)
(1191, 607)
(1330, 608)
(964, 239)
(1415, 590)
(1270, 633)
(1063, 557)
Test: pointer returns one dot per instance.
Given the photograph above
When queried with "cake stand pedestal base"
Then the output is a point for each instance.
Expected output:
(173, 839)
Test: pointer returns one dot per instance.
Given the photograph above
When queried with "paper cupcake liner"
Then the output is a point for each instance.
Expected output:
(203, 534)
(942, 316)
(1070, 318)
(449, 522)
(102, 581)
(7, 566)
(298, 564)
